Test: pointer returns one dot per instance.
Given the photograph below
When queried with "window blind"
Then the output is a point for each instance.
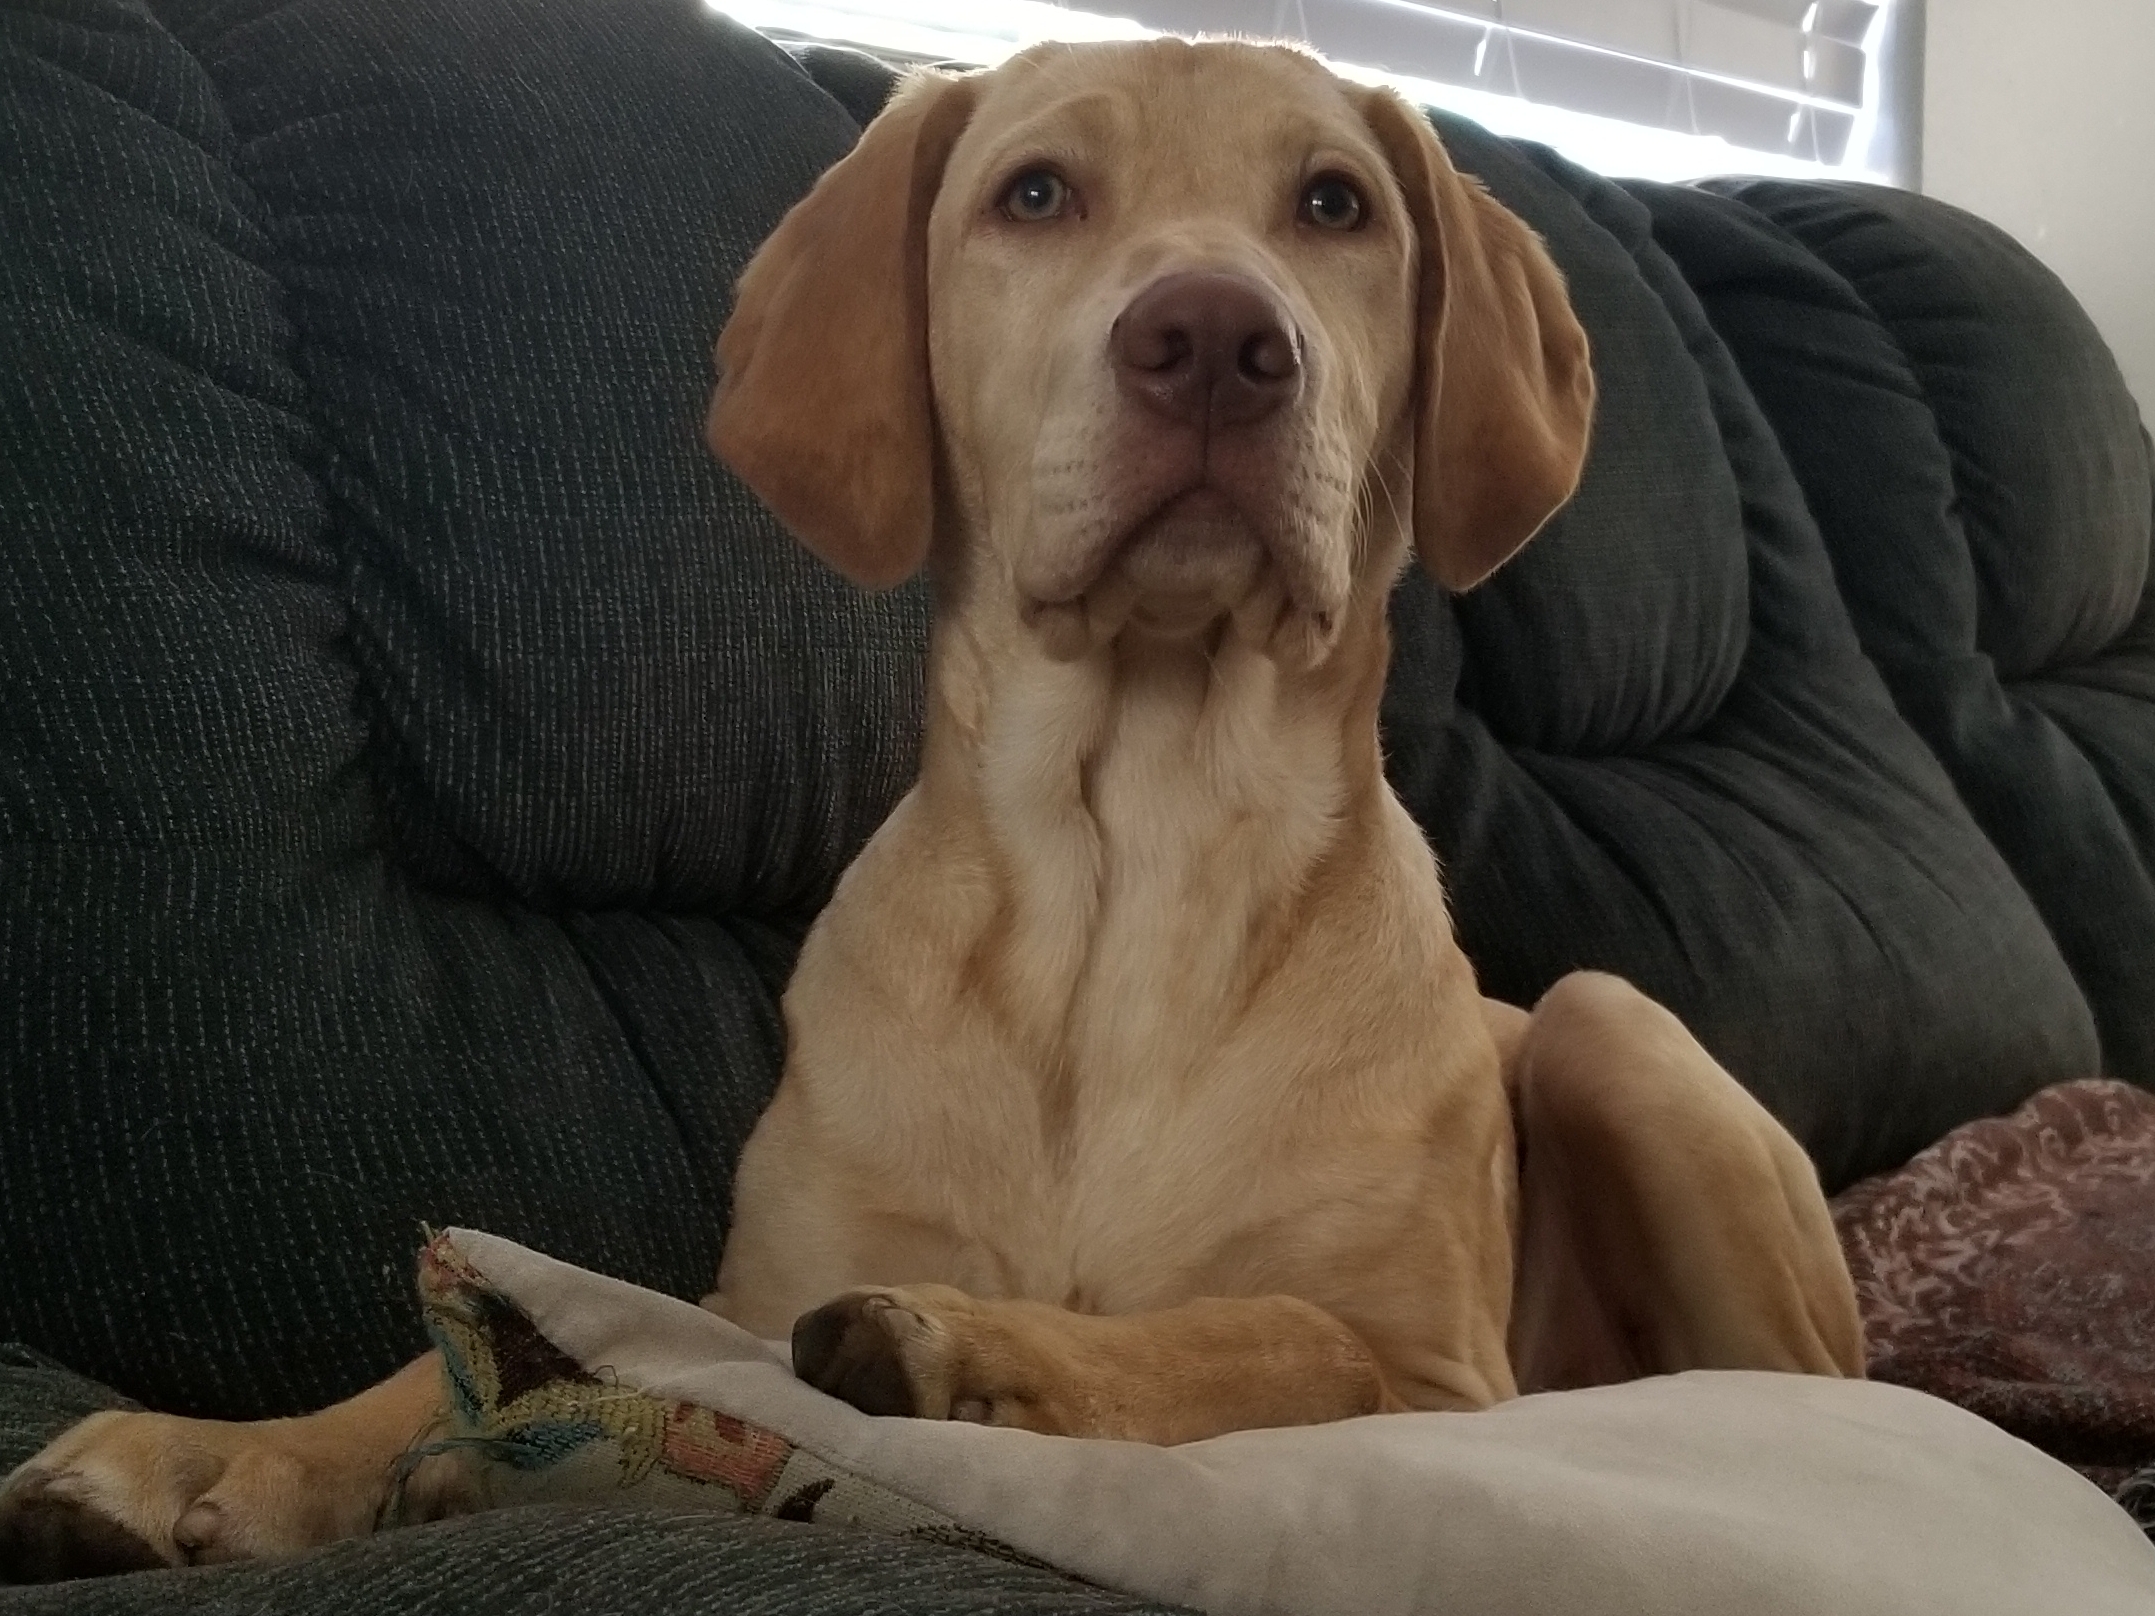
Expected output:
(1783, 76)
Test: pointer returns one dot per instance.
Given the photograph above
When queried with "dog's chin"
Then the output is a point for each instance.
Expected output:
(1195, 568)
(1190, 564)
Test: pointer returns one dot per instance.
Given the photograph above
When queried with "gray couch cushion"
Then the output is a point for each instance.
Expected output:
(1653, 745)
(419, 760)
(1984, 485)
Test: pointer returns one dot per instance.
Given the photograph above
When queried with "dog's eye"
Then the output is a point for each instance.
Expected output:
(1036, 194)
(1332, 203)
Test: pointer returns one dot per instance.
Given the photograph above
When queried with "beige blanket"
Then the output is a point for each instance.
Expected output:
(1715, 1494)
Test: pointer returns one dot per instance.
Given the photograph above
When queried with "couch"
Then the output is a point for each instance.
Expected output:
(419, 762)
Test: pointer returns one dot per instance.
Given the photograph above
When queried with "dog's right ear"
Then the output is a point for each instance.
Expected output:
(823, 405)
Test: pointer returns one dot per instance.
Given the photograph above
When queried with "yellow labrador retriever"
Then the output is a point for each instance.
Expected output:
(1137, 1087)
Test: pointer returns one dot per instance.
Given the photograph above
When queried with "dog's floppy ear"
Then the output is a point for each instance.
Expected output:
(822, 405)
(1504, 390)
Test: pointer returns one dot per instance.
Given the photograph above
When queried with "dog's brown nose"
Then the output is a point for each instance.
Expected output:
(1205, 347)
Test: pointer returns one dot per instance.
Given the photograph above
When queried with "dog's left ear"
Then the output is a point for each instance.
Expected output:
(1504, 389)
(823, 403)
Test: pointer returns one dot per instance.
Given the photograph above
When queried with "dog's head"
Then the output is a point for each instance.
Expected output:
(1161, 324)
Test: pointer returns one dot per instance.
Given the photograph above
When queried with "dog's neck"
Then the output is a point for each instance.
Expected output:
(1155, 816)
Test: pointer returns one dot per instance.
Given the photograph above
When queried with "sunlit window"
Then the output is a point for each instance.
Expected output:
(1828, 118)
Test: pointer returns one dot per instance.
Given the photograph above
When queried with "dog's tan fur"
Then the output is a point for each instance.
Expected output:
(1136, 1086)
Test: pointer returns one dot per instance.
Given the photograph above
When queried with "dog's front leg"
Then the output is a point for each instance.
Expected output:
(1206, 1367)
(126, 1491)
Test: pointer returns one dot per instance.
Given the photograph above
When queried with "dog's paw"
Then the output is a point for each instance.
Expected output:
(926, 1351)
(131, 1492)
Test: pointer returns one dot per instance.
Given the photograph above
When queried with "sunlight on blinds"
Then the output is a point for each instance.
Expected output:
(1661, 89)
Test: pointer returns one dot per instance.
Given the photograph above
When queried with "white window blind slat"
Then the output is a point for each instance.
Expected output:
(1657, 86)
(1784, 76)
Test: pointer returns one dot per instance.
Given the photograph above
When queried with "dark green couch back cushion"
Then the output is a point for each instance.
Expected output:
(597, 677)
(417, 761)
(1699, 782)
(1984, 485)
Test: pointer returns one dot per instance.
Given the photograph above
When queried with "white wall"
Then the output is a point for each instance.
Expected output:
(2053, 138)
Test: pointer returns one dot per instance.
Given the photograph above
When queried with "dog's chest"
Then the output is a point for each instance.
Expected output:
(1163, 1023)
(1134, 1191)
(1266, 1167)
(1210, 1116)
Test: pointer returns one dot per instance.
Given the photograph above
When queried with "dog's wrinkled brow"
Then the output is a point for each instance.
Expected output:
(1092, 124)
(1066, 129)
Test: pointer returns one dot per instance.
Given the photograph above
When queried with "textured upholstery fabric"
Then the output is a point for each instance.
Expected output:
(39, 1399)
(418, 759)
(1983, 482)
(1667, 756)
(600, 1562)
(855, 80)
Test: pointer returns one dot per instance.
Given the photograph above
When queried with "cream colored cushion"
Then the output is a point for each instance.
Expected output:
(1707, 1494)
